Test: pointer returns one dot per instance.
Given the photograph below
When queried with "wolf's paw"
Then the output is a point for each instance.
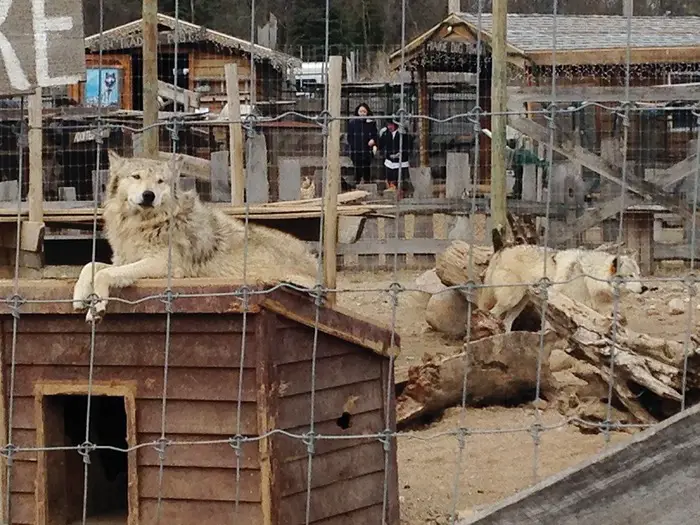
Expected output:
(97, 312)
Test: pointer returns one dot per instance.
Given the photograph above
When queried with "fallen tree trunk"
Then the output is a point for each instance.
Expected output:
(447, 312)
(452, 265)
(501, 369)
(642, 363)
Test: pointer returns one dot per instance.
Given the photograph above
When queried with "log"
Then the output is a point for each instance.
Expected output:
(447, 312)
(642, 363)
(452, 266)
(500, 369)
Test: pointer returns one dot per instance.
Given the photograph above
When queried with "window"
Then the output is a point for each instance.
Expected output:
(682, 120)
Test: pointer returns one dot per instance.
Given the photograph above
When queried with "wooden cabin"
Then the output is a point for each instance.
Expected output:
(202, 54)
(590, 55)
(50, 383)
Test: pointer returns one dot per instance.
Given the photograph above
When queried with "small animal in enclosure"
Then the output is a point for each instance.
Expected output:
(583, 275)
(144, 210)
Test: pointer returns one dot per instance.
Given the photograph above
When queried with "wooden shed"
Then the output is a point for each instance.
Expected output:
(202, 54)
(50, 381)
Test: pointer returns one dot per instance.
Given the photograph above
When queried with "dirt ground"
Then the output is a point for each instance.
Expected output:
(493, 465)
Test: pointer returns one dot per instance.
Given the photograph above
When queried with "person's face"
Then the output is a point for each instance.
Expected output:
(362, 111)
(392, 127)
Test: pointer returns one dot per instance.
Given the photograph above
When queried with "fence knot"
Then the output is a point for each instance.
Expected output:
(85, 450)
(469, 289)
(462, 434)
(384, 438)
(309, 439)
(167, 298)
(236, 442)
(160, 446)
(249, 125)
(543, 287)
(319, 292)
(8, 451)
(175, 123)
(535, 430)
(15, 302)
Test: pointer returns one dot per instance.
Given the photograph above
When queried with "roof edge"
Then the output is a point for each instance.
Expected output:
(205, 296)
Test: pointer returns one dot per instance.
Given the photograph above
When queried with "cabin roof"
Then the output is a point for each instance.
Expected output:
(208, 296)
(581, 39)
(113, 39)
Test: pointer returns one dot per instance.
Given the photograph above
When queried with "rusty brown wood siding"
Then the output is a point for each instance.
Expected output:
(347, 474)
(205, 352)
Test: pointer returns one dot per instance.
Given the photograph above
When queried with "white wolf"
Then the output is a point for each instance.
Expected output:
(586, 271)
(141, 210)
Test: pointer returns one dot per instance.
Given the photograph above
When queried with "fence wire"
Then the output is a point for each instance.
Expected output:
(388, 435)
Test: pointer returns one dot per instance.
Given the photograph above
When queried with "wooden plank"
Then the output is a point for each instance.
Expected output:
(35, 194)
(564, 146)
(194, 384)
(200, 484)
(191, 166)
(181, 512)
(149, 78)
(256, 181)
(189, 99)
(330, 403)
(235, 129)
(31, 236)
(409, 226)
(289, 178)
(306, 161)
(368, 424)
(356, 367)
(23, 509)
(677, 252)
(23, 477)
(217, 455)
(458, 180)
(390, 246)
(205, 350)
(183, 417)
(676, 173)
(579, 93)
(331, 468)
(616, 56)
(332, 186)
(593, 217)
(267, 410)
(654, 474)
(295, 343)
(220, 177)
(334, 500)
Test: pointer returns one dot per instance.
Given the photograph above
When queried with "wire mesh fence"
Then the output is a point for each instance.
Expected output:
(601, 149)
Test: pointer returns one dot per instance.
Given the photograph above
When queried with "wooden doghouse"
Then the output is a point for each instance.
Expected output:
(50, 386)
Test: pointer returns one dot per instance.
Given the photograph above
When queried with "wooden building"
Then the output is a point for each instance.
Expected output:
(590, 53)
(50, 381)
(202, 54)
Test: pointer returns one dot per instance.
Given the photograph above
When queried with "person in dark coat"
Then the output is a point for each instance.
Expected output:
(396, 146)
(362, 138)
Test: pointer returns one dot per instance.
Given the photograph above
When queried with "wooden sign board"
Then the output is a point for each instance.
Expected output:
(40, 46)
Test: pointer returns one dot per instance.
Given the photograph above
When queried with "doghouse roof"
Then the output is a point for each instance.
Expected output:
(53, 296)
(128, 36)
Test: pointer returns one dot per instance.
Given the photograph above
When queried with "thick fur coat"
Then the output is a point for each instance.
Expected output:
(584, 275)
(143, 212)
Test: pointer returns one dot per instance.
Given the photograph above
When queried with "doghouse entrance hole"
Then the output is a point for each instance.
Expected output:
(529, 320)
(64, 426)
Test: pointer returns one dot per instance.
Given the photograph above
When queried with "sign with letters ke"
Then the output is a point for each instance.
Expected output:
(41, 44)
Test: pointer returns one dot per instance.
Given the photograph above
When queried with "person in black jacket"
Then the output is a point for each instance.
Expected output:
(396, 146)
(362, 137)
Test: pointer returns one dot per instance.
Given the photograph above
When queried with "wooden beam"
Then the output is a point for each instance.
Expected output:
(676, 173)
(594, 217)
(36, 164)
(499, 118)
(332, 185)
(150, 78)
(642, 55)
(187, 98)
(192, 166)
(668, 93)
(565, 146)
(235, 130)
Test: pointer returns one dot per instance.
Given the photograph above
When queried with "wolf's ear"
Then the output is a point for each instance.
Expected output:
(176, 163)
(613, 266)
(114, 158)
